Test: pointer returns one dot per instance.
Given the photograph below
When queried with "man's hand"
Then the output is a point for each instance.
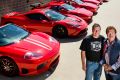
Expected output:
(84, 67)
(83, 58)
(107, 67)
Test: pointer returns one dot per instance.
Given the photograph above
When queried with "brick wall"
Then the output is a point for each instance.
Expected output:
(7, 6)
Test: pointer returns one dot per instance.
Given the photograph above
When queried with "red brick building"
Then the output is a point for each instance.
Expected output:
(7, 6)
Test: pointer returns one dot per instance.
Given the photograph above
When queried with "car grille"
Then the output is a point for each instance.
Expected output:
(54, 63)
(41, 66)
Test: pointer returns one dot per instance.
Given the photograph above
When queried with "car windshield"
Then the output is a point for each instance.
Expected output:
(79, 1)
(11, 33)
(54, 15)
(68, 7)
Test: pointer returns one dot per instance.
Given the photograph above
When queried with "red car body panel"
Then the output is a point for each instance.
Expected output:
(45, 26)
(92, 1)
(101, 1)
(84, 13)
(36, 42)
(90, 6)
(81, 12)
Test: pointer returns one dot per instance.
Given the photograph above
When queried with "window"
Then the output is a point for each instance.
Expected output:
(11, 33)
(68, 7)
(56, 8)
(54, 15)
(36, 16)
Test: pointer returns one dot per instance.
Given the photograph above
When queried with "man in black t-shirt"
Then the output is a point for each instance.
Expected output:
(91, 53)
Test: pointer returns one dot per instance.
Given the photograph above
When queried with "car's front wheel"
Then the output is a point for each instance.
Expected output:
(8, 67)
(60, 31)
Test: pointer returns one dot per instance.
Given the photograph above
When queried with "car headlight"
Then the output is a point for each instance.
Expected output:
(51, 39)
(31, 55)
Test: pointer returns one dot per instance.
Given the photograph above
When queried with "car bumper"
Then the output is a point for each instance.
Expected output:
(88, 19)
(39, 66)
(83, 32)
(80, 30)
(94, 10)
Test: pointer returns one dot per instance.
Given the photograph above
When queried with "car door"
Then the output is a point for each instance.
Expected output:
(38, 22)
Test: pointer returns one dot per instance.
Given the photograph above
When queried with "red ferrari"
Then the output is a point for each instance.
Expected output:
(96, 2)
(48, 21)
(91, 7)
(23, 53)
(64, 8)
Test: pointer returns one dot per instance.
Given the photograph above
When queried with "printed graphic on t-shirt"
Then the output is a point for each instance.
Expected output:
(96, 46)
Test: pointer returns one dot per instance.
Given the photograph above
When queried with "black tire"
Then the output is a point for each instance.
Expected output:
(60, 31)
(8, 67)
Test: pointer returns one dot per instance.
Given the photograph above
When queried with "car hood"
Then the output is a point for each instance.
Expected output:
(90, 5)
(95, 1)
(72, 19)
(82, 11)
(36, 44)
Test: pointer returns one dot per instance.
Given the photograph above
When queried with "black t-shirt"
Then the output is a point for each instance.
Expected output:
(93, 48)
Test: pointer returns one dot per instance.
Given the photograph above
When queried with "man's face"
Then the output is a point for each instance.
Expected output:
(96, 32)
(111, 35)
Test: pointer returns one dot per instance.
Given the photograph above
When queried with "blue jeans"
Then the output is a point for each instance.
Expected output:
(93, 70)
(112, 77)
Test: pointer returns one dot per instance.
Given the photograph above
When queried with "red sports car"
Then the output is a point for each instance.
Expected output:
(90, 1)
(23, 53)
(64, 8)
(96, 2)
(77, 3)
(48, 21)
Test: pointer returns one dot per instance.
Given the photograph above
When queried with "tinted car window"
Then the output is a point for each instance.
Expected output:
(11, 33)
(68, 7)
(79, 1)
(53, 15)
(36, 16)
(56, 8)
(33, 16)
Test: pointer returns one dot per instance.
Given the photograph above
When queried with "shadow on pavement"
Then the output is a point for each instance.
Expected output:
(71, 39)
